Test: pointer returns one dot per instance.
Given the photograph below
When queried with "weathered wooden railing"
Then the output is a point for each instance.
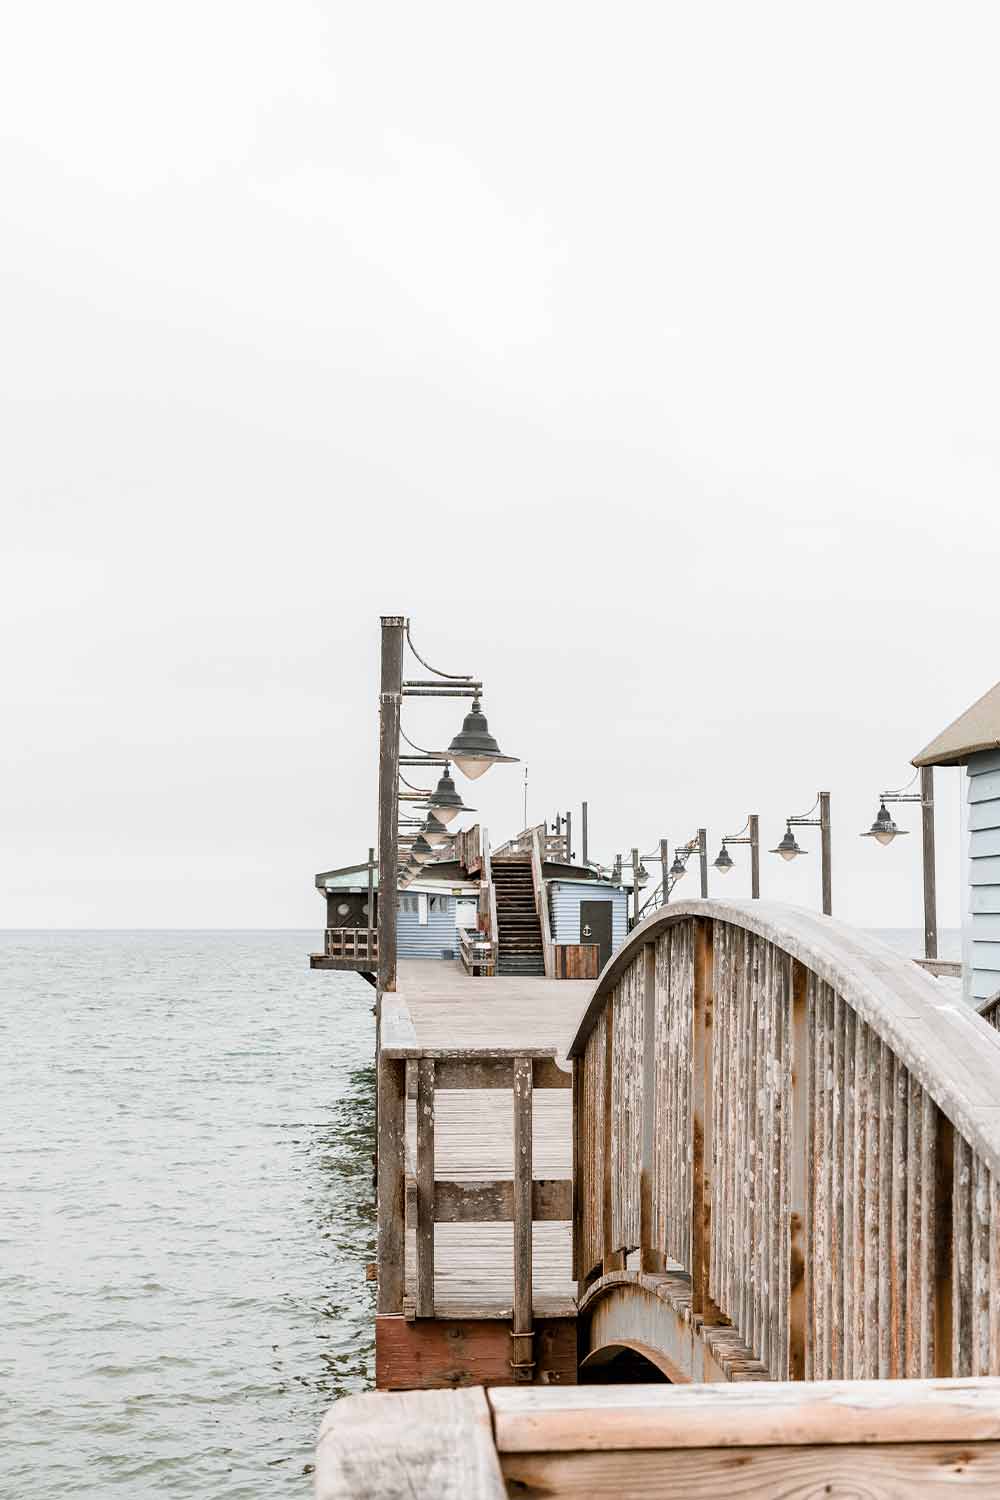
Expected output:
(876, 1439)
(468, 849)
(787, 1155)
(411, 1196)
(476, 952)
(359, 944)
(542, 901)
(990, 1010)
(554, 846)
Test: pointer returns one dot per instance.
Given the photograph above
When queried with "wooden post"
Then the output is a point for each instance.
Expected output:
(703, 861)
(523, 1363)
(390, 696)
(754, 857)
(569, 840)
(371, 900)
(948, 1338)
(583, 832)
(824, 833)
(799, 1174)
(425, 1188)
(930, 870)
(391, 1183)
(664, 871)
(613, 1259)
(651, 1259)
(635, 887)
(702, 1094)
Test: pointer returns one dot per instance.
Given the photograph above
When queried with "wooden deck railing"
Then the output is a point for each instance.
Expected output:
(412, 1196)
(796, 1136)
(360, 944)
(476, 953)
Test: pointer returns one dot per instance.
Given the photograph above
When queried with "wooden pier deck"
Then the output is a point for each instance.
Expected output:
(468, 1032)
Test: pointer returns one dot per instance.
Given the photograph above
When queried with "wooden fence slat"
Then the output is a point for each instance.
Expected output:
(522, 1363)
(425, 1188)
(391, 1183)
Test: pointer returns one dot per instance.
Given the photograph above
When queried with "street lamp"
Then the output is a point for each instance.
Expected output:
(748, 834)
(474, 744)
(474, 750)
(884, 830)
(434, 831)
(788, 848)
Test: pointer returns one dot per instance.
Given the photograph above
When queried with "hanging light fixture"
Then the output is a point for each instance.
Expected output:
(884, 830)
(642, 875)
(474, 749)
(724, 862)
(678, 868)
(421, 850)
(444, 802)
(788, 848)
(434, 831)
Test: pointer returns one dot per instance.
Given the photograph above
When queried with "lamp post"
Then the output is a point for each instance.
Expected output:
(884, 830)
(473, 750)
(789, 848)
(748, 834)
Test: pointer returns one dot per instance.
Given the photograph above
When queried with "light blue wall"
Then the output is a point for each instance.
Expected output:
(564, 909)
(438, 939)
(984, 873)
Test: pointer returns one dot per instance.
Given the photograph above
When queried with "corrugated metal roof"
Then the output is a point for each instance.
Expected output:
(355, 878)
(975, 730)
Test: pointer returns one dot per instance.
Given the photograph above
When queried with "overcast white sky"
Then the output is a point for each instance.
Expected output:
(646, 355)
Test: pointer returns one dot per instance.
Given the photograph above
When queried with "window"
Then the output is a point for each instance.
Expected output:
(407, 904)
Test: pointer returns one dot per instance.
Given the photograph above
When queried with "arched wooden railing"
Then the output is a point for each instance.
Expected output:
(787, 1145)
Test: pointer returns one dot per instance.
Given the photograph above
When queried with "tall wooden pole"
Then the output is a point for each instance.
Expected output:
(390, 694)
(930, 871)
(703, 861)
(371, 898)
(569, 840)
(754, 857)
(664, 871)
(583, 832)
(635, 887)
(824, 833)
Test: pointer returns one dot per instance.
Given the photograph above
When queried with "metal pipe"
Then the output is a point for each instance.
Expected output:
(583, 832)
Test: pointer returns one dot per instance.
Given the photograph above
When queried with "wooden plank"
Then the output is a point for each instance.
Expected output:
(701, 1095)
(617, 1418)
(651, 1258)
(391, 1184)
(453, 1351)
(442, 1445)
(493, 1202)
(612, 1258)
(800, 1163)
(425, 1188)
(522, 1362)
(876, 1471)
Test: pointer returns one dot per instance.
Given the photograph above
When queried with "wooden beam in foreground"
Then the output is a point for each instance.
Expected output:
(878, 1438)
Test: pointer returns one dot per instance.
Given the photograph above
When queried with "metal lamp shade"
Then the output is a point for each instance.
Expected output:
(642, 876)
(678, 868)
(724, 862)
(421, 850)
(788, 848)
(884, 830)
(444, 802)
(434, 831)
(474, 749)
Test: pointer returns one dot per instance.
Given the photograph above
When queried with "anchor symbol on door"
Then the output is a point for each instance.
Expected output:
(587, 930)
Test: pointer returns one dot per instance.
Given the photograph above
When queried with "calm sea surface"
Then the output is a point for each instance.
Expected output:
(185, 1211)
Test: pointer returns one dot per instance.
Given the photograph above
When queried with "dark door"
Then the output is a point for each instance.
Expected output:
(595, 926)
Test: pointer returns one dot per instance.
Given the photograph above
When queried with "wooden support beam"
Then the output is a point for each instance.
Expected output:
(425, 1188)
(800, 1173)
(391, 1183)
(522, 1363)
(702, 1093)
(929, 862)
(613, 1259)
(651, 1258)
(390, 697)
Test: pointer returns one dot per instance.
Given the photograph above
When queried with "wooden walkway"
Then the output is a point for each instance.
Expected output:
(438, 1007)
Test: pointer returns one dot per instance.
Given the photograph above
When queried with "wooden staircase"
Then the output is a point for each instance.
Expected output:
(519, 930)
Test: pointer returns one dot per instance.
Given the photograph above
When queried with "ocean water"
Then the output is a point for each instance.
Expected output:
(186, 1212)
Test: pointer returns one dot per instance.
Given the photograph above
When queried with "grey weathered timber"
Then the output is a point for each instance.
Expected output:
(391, 1183)
(522, 1363)
(818, 1124)
(394, 1446)
(826, 852)
(929, 861)
(425, 1188)
(390, 697)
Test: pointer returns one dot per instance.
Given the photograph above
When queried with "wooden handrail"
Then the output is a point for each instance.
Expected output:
(541, 903)
(806, 1128)
(491, 896)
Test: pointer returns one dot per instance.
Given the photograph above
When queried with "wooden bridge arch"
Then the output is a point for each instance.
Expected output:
(786, 1155)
